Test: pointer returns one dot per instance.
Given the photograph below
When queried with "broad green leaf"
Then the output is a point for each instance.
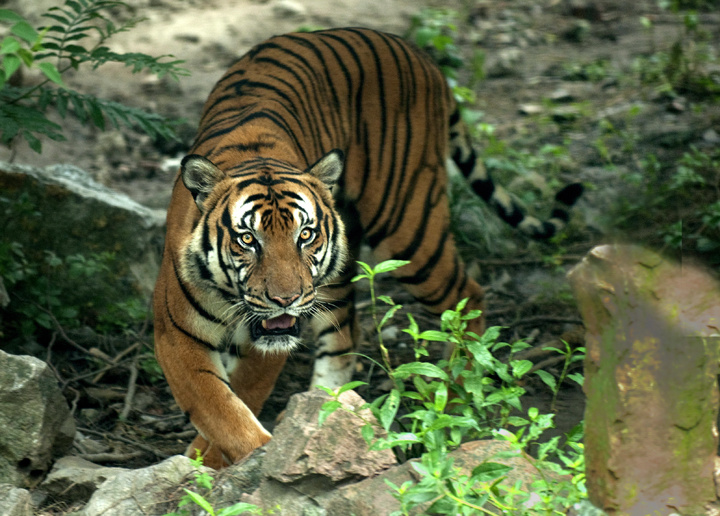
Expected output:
(365, 267)
(350, 386)
(547, 378)
(521, 367)
(27, 57)
(389, 265)
(388, 315)
(423, 368)
(489, 471)
(327, 408)
(200, 501)
(11, 63)
(433, 335)
(238, 508)
(577, 377)
(368, 433)
(387, 300)
(11, 16)
(24, 30)
(389, 409)
(441, 397)
(9, 45)
(52, 73)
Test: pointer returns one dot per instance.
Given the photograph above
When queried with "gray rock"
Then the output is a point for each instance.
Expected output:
(142, 491)
(74, 480)
(14, 501)
(288, 9)
(78, 215)
(505, 63)
(36, 423)
(335, 451)
(306, 462)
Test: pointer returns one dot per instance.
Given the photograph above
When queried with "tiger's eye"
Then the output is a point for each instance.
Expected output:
(306, 234)
(247, 239)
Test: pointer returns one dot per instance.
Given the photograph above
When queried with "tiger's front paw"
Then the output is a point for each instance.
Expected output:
(240, 446)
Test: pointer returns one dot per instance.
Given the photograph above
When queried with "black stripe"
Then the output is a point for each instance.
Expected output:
(184, 331)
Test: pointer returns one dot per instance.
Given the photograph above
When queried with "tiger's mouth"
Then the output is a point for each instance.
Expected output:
(281, 325)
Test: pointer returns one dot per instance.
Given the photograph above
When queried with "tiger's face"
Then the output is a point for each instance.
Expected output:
(267, 239)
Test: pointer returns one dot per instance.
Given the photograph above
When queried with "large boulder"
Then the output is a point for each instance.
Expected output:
(36, 423)
(65, 211)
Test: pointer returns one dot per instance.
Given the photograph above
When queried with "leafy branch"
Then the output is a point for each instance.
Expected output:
(76, 36)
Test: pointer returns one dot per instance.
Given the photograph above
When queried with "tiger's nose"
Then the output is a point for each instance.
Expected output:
(284, 301)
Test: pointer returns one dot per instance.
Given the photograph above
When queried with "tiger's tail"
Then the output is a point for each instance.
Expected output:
(508, 209)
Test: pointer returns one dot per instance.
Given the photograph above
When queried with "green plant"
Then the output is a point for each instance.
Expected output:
(203, 481)
(681, 197)
(686, 68)
(57, 48)
(435, 31)
(434, 408)
(571, 355)
(48, 292)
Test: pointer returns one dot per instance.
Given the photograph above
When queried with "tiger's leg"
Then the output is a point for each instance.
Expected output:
(335, 330)
(202, 389)
(252, 379)
(335, 326)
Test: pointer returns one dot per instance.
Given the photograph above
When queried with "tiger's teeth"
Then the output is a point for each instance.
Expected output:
(264, 323)
(293, 321)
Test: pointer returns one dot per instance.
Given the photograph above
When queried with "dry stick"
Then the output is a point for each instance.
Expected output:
(132, 385)
(115, 361)
(111, 457)
(120, 438)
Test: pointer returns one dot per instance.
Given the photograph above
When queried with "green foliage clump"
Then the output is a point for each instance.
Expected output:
(435, 31)
(686, 68)
(433, 408)
(48, 292)
(75, 37)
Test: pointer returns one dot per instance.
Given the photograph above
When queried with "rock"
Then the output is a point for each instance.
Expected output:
(305, 463)
(36, 423)
(530, 109)
(506, 63)
(336, 451)
(143, 491)
(74, 480)
(14, 501)
(288, 9)
(78, 215)
(651, 381)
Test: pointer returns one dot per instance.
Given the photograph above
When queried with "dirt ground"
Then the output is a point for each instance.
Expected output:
(527, 294)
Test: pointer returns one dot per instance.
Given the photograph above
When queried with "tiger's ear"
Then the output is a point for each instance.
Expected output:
(200, 176)
(329, 168)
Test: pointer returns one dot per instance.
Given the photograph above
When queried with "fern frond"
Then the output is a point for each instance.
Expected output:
(101, 111)
(139, 62)
(27, 122)
(77, 20)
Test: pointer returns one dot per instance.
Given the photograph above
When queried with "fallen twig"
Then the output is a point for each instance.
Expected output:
(109, 436)
(111, 457)
(132, 385)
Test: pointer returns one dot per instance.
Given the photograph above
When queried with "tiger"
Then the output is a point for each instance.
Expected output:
(309, 145)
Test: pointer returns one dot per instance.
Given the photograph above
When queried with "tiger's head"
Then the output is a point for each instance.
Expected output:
(268, 237)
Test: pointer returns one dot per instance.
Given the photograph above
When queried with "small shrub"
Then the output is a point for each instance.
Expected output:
(75, 37)
(434, 408)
